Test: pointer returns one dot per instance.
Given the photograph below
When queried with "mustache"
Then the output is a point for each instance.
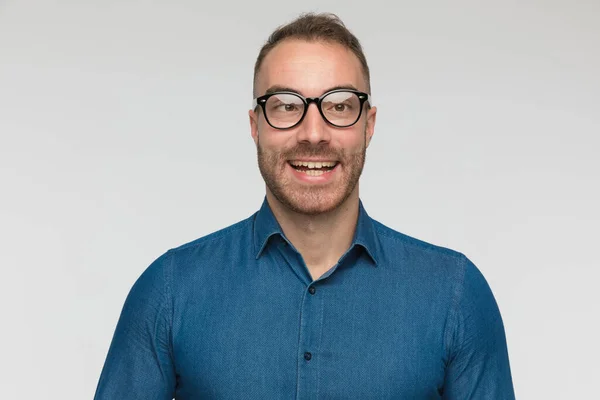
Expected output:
(307, 150)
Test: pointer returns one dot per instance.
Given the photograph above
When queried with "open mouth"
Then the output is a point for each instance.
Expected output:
(313, 168)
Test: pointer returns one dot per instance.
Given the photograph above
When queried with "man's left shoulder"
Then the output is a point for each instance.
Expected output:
(405, 251)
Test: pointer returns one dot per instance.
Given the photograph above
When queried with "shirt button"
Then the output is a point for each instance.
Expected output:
(312, 290)
(307, 356)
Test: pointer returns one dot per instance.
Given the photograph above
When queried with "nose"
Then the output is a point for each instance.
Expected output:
(313, 129)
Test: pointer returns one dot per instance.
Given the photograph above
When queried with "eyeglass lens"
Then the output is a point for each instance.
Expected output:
(284, 110)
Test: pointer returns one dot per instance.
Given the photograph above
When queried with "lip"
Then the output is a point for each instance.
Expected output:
(321, 179)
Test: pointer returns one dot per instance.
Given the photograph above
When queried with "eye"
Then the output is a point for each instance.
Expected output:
(340, 108)
(286, 108)
(289, 107)
(284, 103)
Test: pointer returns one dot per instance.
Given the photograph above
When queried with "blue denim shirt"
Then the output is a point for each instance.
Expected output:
(236, 315)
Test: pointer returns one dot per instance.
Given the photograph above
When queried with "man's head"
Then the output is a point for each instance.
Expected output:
(310, 57)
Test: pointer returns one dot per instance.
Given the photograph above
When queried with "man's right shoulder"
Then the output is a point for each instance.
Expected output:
(230, 233)
(233, 243)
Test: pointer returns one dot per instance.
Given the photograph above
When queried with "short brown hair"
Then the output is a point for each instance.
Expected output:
(313, 27)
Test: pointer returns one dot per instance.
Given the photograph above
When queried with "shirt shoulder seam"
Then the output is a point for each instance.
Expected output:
(168, 302)
(454, 310)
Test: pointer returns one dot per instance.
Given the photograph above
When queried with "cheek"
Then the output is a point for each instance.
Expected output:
(274, 141)
(352, 141)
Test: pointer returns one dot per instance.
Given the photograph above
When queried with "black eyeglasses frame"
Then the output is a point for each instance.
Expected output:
(362, 97)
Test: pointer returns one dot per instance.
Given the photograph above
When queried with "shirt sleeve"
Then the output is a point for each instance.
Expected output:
(139, 364)
(478, 365)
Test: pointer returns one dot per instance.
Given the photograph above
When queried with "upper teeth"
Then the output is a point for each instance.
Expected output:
(311, 164)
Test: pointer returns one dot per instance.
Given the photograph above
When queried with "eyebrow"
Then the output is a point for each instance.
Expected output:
(279, 88)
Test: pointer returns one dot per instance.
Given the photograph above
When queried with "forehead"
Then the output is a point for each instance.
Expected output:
(311, 68)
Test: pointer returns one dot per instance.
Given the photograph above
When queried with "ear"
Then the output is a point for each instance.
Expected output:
(370, 126)
(253, 125)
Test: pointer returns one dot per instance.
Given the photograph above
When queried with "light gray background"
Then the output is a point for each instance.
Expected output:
(124, 132)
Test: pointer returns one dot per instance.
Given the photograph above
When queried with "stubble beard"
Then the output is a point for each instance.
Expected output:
(303, 199)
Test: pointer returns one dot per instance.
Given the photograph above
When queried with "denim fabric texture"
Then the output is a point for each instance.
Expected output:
(236, 315)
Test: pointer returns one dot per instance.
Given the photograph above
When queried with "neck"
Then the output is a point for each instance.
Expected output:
(321, 239)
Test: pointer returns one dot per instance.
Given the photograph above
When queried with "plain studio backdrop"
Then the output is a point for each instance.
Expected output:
(124, 132)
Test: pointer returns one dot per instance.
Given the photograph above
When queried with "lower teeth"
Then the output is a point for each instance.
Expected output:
(312, 172)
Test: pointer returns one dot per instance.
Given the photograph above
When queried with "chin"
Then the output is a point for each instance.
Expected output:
(312, 203)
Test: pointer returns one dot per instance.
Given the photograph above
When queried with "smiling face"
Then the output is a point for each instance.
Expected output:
(313, 167)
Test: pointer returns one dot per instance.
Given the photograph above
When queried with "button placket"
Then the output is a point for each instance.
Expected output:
(311, 324)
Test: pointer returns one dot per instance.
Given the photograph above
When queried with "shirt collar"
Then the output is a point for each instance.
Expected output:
(365, 234)
(266, 226)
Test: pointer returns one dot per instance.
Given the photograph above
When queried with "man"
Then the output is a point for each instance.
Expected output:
(309, 298)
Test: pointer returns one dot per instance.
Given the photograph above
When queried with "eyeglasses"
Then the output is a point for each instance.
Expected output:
(284, 110)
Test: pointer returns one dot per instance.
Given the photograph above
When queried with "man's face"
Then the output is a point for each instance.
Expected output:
(311, 69)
